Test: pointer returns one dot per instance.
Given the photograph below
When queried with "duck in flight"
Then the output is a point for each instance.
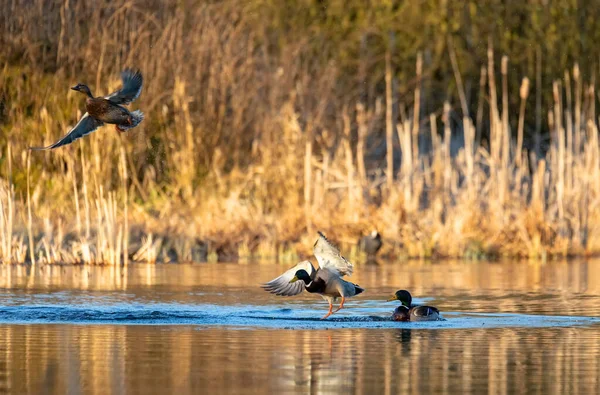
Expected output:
(106, 110)
(326, 280)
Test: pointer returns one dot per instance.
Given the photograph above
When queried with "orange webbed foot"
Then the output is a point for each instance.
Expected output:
(341, 305)
(329, 312)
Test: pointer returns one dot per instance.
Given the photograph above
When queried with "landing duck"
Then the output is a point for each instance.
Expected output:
(326, 281)
(106, 110)
(410, 312)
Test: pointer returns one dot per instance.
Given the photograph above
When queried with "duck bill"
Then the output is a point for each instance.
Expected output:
(75, 88)
(392, 298)
(293, 280)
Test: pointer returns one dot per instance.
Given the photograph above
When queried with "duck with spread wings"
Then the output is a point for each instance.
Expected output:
(106, 110)
(326, 281)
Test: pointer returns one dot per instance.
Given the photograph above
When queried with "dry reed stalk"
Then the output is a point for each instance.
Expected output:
(592, 109)
(64, 9)
(29, 215)
(125, 208)
(447, 155)
(78, 224)
(149, 250)
(362, 130)
(505, 109)
(578, 91)
(86, 199)
(469, 134)
(350, 173)
(405, 137)
(560, 151)
(389, 114)
(480, 101)
(6, 233)
(428, 172)
(308, 152)
(459, 83)
(569, 153)
(523, 93)
(185, 156)
(568, 93)
(494, 132)
(416, 111)
(434, 135)
(7, 208)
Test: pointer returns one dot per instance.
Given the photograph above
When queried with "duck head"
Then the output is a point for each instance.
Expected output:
(83, 89)
(403, 296)
(301, 275)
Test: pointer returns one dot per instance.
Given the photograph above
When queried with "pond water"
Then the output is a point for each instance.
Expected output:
(208, 328)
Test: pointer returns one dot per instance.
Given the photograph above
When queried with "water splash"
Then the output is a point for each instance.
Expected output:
(252, 316)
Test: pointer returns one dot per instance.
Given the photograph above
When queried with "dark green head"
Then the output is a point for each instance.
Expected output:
(403, 296)
(302, 275)
(83, 89)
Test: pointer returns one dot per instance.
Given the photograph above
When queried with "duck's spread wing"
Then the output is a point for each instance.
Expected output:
(329, 257)
(85, 126)
(282, 286)
(131, 89)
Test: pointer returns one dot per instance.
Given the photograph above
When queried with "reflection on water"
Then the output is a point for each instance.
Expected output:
(554, 288)
(152, 360)
(72, 358)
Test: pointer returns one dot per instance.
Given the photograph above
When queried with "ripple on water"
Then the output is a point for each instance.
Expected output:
(252, 316)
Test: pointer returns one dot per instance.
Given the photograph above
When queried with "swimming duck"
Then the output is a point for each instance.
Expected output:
(409, 312)
(326, 280)
(370, 244)
(108, 109)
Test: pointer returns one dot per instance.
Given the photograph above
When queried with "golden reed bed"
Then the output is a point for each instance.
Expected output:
(248, 150)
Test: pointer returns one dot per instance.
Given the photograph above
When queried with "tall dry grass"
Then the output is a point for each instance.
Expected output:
(246, 150)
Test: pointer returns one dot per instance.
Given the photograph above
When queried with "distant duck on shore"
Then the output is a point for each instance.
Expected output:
(370, 244)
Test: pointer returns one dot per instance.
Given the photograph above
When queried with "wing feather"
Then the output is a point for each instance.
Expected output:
(424, 311)
(282, 286)
(85, 126)
(131, 89)
(329, 257)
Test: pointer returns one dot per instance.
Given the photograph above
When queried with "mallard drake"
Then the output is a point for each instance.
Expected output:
(108, 109)
(370, 244)
(410, 312)
(326, 280)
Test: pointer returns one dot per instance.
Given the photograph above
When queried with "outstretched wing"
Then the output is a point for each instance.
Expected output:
(329, 257)
(86, 125)
(131, 89)
(282, 286)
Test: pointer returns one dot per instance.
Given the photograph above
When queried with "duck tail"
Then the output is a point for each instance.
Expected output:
(358, 289)
(136, 117)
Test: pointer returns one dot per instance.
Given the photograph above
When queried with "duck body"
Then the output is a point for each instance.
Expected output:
(410, 312)
(416, 313)
(328, 285)
(106, 111)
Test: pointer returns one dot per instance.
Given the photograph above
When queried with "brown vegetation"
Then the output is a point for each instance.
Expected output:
(259, 133)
